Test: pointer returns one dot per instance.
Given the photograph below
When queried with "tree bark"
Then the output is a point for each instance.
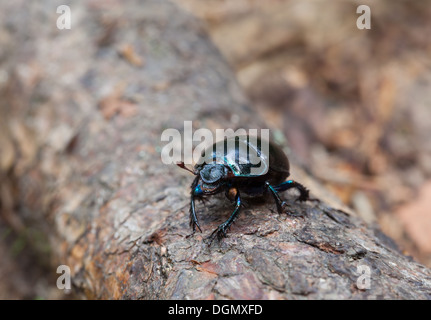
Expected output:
(82, 115)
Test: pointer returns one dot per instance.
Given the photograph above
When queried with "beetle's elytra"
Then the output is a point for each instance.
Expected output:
(222, 171)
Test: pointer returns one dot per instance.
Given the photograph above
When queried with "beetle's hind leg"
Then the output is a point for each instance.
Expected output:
(303, 191)
(220, 232)
(304, 194)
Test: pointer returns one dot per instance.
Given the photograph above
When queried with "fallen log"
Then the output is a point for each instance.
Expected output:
(83, 110)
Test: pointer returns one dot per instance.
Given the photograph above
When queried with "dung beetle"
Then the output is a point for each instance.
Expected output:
(225, 166)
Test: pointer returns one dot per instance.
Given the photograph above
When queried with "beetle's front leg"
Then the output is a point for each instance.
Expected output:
(196, 192)
(220, 232)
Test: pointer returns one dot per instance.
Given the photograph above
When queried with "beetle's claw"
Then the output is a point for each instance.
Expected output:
(195, 224)
(218, 233)
(280, 207)
(286, 209)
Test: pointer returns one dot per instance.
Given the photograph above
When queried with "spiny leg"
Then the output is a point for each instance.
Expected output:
(196, 192)
(277, 199)
(220, 232)
(304, 193)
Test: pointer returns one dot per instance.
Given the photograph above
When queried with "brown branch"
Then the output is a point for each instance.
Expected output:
(116, 214)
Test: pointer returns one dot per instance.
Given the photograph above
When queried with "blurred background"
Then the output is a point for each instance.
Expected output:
(353, 105)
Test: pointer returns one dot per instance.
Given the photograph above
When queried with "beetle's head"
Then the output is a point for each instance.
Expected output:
(212, 176)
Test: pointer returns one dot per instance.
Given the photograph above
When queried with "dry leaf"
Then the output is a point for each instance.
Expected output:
(128, 52)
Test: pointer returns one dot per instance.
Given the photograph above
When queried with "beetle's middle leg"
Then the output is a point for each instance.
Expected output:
(277, 198)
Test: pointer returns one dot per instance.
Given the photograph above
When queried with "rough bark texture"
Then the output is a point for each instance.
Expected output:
(82, 112)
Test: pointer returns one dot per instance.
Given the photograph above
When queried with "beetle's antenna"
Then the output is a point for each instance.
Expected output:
(182, 165)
